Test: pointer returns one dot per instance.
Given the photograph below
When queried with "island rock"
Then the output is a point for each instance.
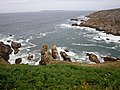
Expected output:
(93, 58)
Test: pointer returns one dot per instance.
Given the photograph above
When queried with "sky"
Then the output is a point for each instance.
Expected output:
(39, 5)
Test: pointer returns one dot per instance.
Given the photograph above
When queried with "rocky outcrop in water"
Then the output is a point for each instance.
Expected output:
(15, 46)
(74, 19)
(106, 20)
(111, 59)
(30, 57)
(74, 24)
(46, 57)
(5, 51)
(65, 56)
(93, 58)
(18, 60)
(54, 51)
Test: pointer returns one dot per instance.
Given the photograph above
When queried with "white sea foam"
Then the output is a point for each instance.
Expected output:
(107, 37)
(97, 35)
(23, 53)
(78, 44)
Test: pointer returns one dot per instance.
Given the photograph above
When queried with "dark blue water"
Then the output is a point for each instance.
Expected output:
(54, 27)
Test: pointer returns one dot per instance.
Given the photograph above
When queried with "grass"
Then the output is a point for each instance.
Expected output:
(60, 77)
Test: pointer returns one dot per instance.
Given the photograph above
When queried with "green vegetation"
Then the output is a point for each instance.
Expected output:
(59, 77)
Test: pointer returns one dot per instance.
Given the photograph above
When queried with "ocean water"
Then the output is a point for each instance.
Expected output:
(34, 29)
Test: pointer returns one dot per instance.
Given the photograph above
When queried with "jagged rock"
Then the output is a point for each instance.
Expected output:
(110, 59)
(93, 58)
(5, 51)
(18, 60)
(30, 57)
(65, 56)
(46, 57)
(55, 54)
(74, 19)
(75, 24)
(15, 46)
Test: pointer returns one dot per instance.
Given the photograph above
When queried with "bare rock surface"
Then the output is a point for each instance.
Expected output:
(105, 20)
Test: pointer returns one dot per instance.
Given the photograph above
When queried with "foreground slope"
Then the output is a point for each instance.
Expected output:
(61, 76)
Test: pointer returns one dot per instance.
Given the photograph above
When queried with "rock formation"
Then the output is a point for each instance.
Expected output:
(30, 57)
(15, 46)
(65, 56)
(75, 24)
(74, 19)
(110, 59)
(106, 20)
(54, 51)
(18, 60)
(46, 57)
(5, 51)
(93, 58)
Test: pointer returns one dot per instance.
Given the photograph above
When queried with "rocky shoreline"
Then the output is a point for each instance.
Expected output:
(47, 57)
(105, 20)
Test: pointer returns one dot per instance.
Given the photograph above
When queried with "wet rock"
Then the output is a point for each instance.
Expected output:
(93, 58)
(46, 57)
(75, 24)
(15, 46)
(10, 35)
(30, 57)
(110, 59)
(82, 20)
(18, 60)
(55, 54)
(107, 39)
(74, 19)
(5, 51)
(65, 56)
(8, 41)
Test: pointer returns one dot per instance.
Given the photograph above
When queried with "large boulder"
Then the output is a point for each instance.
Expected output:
(65, 56)
(15, 46)
(5, 51)
(46, 57)
(93, 58)
(54, 51)
(18, 60)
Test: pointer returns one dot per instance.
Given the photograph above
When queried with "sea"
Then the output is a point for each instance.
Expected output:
(34, 29)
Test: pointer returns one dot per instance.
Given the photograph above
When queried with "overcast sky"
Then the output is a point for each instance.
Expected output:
(38, 5)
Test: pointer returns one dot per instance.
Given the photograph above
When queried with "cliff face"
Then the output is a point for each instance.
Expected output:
(106, 20)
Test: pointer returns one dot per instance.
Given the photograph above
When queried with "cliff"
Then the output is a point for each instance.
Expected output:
(105, 20)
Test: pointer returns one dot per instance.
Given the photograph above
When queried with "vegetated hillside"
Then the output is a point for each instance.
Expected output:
(60, 76)
(106, 20)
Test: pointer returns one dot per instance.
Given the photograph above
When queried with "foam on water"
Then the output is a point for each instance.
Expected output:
(97, 35)
(24, 50)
